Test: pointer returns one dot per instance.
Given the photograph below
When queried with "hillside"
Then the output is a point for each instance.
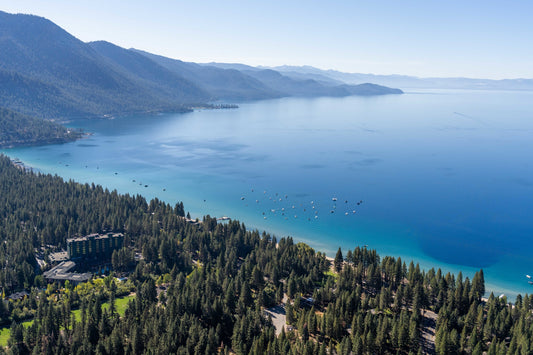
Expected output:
(46, 72)
(17, 129)
(243, 82)
(48, 68)
(223, 84)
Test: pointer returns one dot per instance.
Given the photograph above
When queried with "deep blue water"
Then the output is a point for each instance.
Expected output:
(445, 177)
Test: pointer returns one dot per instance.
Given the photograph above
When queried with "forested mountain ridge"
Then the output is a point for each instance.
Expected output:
(46, 72)
(228, 80)
(72, 78)
(218, 278)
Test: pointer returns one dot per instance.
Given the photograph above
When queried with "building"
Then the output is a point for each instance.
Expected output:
(94, 246)
(63, 272)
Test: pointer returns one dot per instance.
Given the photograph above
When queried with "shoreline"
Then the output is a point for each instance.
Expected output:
(493, 284)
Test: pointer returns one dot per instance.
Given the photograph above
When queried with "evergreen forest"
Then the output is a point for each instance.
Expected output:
(205, 288)
(18, 130)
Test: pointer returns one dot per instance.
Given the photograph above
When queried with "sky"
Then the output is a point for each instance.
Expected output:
(426, 38)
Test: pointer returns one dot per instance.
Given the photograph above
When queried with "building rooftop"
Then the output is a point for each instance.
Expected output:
(95, 236)
(59, 256)
(62, 272)
(18, 295)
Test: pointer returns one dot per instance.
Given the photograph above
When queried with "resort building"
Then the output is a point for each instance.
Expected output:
(64, 271)
(94, 246)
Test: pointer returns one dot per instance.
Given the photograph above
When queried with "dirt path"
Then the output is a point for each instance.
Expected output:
(278, 317)
(429, 325)
(279, 320)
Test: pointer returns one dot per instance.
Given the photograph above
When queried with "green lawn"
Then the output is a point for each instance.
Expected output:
(120, 305)
(6, 332)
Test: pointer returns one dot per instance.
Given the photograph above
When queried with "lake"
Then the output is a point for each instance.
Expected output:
(441, 177)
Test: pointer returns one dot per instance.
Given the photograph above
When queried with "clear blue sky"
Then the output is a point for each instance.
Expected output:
(469, 38)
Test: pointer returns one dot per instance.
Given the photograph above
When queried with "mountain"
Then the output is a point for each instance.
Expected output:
(233, 81)
(405, 81)
(48, 73)
(307, 87)
(222, 83)
(48, 68)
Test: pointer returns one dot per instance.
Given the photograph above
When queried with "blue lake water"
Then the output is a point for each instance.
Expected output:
(445, 177)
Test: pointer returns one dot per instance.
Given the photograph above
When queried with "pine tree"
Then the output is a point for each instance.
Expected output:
(337, 262)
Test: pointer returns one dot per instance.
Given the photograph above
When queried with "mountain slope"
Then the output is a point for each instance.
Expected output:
(41, 52)
(46, 72)
(225, 84)
(242, 82)
(149, 73)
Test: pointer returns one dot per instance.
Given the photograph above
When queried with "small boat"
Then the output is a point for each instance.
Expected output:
(528, 276)
(242, 198)
(530, 282)
(334, 199)
(145, 185)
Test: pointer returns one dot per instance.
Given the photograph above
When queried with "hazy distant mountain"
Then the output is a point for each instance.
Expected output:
(233, 81)
(46, 72)
(307, 87)
(222, 83)
(405, 81)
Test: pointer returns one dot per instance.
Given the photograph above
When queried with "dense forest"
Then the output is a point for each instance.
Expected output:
(204, 288)
(17, 129)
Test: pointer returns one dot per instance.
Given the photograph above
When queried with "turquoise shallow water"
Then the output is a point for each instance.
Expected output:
(442, 177)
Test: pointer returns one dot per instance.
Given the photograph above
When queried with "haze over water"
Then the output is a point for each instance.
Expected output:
(441, 177)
